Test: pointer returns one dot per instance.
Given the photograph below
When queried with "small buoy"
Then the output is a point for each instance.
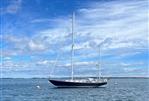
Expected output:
(38, 87)
(115, 83)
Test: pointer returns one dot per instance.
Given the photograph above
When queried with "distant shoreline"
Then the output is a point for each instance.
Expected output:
(82, 77)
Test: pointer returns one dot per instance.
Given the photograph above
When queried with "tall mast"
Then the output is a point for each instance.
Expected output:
(72, 51)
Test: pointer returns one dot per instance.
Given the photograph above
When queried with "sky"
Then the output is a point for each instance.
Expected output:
(36, 38)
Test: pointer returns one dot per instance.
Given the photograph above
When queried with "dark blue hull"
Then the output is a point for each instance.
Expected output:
(61, 83)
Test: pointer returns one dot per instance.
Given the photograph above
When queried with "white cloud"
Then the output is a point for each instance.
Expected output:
(36, 46)
(10, 65)
(7, 58)
(132, 64)
(76, 64)
(45, 62)
(127, 25)
(23, 45)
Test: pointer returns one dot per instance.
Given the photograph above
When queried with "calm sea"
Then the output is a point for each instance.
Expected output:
(116, 90)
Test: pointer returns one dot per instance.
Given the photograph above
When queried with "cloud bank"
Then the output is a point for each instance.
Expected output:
(119, 27)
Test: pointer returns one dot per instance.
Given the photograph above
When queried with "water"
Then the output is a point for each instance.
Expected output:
(41, 90)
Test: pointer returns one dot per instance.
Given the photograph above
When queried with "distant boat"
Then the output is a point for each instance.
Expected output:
(74, 82)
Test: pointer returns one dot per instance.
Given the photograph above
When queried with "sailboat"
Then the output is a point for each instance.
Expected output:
(74, 82)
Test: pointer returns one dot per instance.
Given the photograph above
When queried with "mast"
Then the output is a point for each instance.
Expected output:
(99, 62)
(72, 50)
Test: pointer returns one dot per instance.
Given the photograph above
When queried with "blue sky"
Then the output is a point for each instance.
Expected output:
(34, 33)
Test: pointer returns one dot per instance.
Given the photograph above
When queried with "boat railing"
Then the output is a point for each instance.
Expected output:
(89, 80)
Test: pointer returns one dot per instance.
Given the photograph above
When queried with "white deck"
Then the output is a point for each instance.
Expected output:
(89, 80)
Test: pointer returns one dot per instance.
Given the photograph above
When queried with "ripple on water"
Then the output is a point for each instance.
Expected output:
(26, 90)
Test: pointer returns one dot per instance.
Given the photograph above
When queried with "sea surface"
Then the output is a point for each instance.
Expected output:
(42, 90)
